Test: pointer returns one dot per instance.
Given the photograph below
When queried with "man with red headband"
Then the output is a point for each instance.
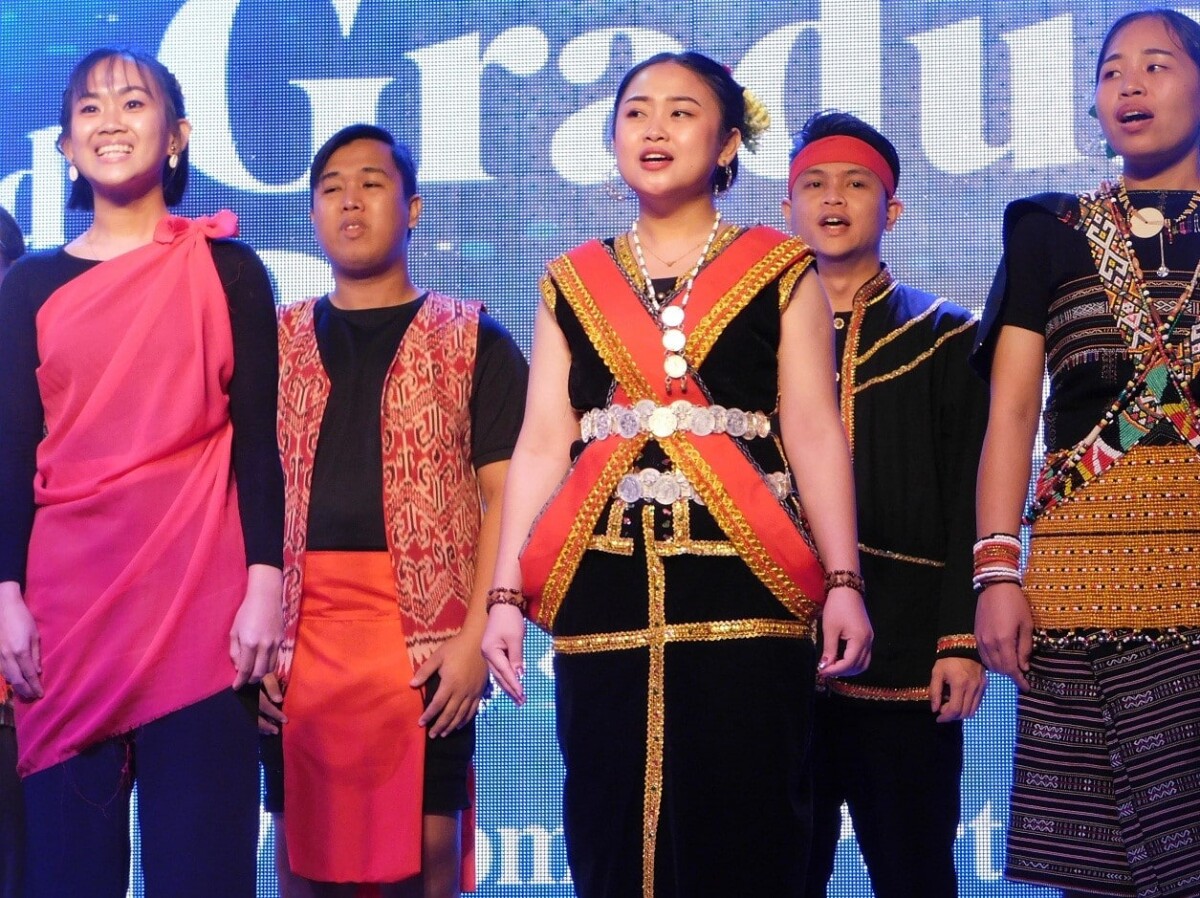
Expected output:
(889, 743)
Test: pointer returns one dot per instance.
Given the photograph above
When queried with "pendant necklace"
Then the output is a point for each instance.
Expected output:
(670, 315)
(1149, 221)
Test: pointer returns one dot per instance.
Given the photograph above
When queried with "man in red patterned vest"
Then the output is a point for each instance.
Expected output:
(399, 408)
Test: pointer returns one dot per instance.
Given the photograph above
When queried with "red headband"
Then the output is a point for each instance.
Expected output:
(841, 148)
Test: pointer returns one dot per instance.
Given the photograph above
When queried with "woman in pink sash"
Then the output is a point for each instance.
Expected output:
(683, 443)
(140, 549)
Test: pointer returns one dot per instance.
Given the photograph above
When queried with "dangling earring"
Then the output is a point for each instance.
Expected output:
(1100, 142)
(72, 173)
(173, 159)
(613, 185)
(723, 181)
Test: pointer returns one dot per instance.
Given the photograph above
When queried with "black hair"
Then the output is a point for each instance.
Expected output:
(730, 97)
(1184, 29)
(401, 155)
(832, 123)
(164, 85)
(12, 243)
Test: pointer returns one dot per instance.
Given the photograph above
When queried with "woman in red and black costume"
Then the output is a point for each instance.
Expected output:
(141, 541)
(1099, 292)
(682, 434)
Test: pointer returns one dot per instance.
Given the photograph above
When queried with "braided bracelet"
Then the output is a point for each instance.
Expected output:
(852, 579)
(506, 595)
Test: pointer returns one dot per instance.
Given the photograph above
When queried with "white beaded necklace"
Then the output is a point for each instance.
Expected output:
(671, 316)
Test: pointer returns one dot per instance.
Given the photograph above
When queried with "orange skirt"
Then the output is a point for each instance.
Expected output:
(353, 751)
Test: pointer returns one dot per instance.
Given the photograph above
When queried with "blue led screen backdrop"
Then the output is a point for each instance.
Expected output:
(506, 107)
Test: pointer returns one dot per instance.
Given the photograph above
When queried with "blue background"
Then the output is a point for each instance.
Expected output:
(504, 104)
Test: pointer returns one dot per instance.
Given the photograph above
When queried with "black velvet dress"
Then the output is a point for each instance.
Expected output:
(685, 749)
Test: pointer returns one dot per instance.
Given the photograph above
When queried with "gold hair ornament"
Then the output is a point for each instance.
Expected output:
(758, 120)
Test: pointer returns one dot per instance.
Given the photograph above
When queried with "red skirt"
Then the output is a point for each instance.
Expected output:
(353, 751)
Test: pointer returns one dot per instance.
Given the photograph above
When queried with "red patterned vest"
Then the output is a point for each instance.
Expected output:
(430, 495)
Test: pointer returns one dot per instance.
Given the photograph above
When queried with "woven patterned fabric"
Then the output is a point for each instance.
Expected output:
(1124, 553)
(1106, 778)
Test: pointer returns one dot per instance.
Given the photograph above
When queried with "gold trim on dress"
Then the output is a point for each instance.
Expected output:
(787, 285)
(878, 693)
(899, 556)
(612, 541)
(549, 293)
(733, 522)
(600, 332)
(791, 253)
(656, 701)
(703, 631)
(579, 537)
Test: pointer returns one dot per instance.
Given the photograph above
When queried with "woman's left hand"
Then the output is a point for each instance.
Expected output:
(847, 628)
(258, 627)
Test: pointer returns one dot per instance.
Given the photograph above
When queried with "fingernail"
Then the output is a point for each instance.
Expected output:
(821, 665)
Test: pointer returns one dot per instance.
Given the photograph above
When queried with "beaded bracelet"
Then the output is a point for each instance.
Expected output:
(852, 579)
(997, 559)
(990, 577)
(506, 595)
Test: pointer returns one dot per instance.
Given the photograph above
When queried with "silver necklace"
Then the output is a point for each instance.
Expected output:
(671, 316)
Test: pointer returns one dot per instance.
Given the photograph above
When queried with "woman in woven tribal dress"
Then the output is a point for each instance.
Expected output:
(683, 446)
(1099, 291)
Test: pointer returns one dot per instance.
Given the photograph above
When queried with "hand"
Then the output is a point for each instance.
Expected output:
(503, 641)
(463, 677)
(1004, 631)
(258, 627)
(844, 620)
(964, 679)
(270, 714)
(20, 647)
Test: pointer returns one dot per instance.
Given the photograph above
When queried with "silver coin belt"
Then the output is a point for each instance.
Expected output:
(664, 420)
(668, 487)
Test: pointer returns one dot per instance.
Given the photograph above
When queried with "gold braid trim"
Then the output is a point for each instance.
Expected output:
(579, 537)
(867, 295)
(958, 642)
(703, 631)
(549, 294)
(656, 580)
(790, 253)
(904, 369)
(735, 525)
(892, 336)
(899, 556)
(612, 541)
(879, 693)
(787, 284)
(600, 332)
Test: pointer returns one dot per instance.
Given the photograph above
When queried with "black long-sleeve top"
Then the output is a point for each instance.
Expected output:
(253, 392)
(918, 415)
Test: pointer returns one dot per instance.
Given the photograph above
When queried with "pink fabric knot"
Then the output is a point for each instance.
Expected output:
(173, 227)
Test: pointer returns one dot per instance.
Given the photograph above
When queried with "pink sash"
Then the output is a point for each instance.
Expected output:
(136, 561)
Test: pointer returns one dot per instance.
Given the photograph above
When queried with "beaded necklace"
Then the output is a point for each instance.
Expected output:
(1053, 489)
(671, 316)
(1149, 221)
